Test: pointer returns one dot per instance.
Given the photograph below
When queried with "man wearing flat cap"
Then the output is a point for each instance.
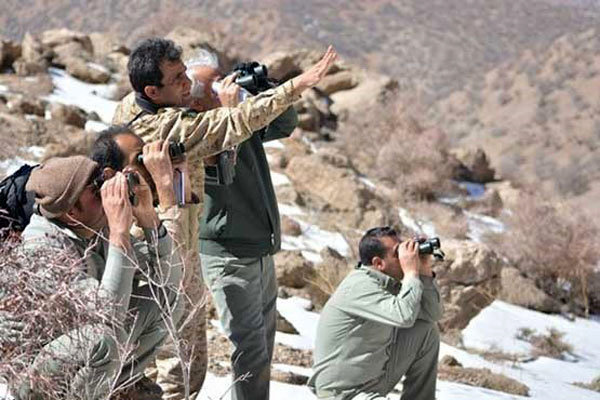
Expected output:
(79, 213)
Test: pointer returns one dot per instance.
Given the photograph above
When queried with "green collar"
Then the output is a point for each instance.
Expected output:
(386, 281)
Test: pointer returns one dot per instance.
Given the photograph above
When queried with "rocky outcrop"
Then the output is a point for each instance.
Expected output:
(474, 166)
(9, 52)
(292, 269)
(70, 115)
(519, 290)
(329, 187)
(469, 280)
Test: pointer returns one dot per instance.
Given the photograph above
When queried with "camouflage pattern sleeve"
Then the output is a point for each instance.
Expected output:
(211, 132)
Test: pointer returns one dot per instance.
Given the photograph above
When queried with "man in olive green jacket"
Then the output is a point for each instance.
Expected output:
(380, 325)
(74, 216)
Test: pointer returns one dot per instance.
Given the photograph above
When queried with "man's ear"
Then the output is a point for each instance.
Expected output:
(151, 92)
(378, 263)
(108, 173)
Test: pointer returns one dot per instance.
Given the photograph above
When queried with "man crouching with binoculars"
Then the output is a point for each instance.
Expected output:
(380, 324)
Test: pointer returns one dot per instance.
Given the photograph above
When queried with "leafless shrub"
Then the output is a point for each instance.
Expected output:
(549, 345)
(41, 288)
(389, 144)
(554, 245)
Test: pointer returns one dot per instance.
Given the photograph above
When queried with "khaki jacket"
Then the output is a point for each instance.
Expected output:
(358, 322)
(208, 133)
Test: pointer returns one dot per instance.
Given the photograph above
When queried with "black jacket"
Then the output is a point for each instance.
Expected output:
(242, 219)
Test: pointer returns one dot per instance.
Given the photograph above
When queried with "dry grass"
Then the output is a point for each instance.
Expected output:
(593, 385)
(549, 345)
(327, 277)
(555, 245)
(482, 377)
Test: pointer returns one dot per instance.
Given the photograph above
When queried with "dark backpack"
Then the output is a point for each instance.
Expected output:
(16, 204)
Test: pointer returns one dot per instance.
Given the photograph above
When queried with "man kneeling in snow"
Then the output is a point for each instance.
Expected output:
(380, 325)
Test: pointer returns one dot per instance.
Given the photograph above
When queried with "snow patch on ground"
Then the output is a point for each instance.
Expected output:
(3, 89)
(215, 387)
(279, 179)
(314, 239)
(481, 224)
(295, 311)
(418, 226)
(274, 144)
(89, 97)
(95, 126)
(289, 209)
(495, 328)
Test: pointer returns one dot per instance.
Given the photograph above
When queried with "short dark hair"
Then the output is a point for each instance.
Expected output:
(144, 62)
(105, 150)
(370, 244)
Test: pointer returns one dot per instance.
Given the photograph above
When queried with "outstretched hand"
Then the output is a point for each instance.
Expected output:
(314, 74)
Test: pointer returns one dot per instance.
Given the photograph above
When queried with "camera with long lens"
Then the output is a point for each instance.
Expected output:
(431, 246)
(253, 77)
(176, 152)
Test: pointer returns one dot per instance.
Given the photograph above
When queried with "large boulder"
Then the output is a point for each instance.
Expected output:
(70, 115)
(342, 80)
(22, 105)
(86, 71)
(329, 187)
(35, 57)
(9, 52)
(522, 291)
(474, 166)
(58, 37)
(461, 304)
(371, 89)
(292, 269)
(216, 42)
(468, 263)
(284, 65)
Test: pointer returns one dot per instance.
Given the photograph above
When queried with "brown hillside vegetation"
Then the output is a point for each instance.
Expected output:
(431, 47)
(537, 118)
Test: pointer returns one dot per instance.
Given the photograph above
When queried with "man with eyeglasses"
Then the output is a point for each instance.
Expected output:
(380, 325)
(82, 211)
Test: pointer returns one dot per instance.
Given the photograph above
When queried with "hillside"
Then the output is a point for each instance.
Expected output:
(431, 48)
(537, 118)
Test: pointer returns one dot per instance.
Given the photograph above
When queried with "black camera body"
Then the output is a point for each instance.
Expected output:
(253, 77)
(176, 152)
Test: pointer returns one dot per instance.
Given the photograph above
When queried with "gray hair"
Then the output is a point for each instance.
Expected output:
(201, 58)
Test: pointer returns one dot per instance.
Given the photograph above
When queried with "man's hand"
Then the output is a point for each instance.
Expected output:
(229, 92)
(426, 261)
(314, 74)
(143, 212)
(408, 254)
(115, 201)
(158, 163)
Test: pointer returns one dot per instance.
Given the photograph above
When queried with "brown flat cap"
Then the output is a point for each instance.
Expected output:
(59, 182)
